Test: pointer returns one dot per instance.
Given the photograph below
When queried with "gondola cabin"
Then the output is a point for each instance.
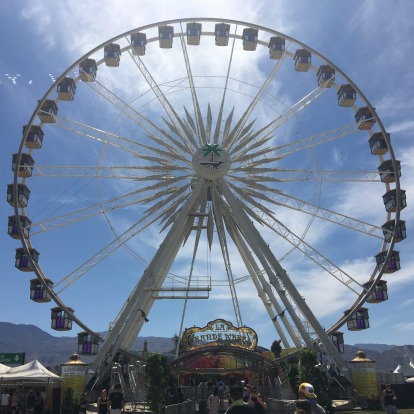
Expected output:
(364, 118)
(358, 320)
(66, 89)
(165, 36)
(23, 194)
(393, 263)
(389, 230)
(250, 37)
(390, 200)
(25, 166)
(60, 319)
(377, 144)
(276, 47)
(338, 340)
(325, 76)
(87, 343)
(38, 292)
(22, 260)
(193, 33)
(379, 293)
(34, 137)
(387, 173)
(222, 32)
(112, 55)
(13, 228)
(138, 43)
(48, 112)
(302, 60)
(346, 95)
(87, 70)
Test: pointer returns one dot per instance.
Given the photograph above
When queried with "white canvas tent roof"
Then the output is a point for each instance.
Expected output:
(4, 368)
(406, 369)
(34, 371)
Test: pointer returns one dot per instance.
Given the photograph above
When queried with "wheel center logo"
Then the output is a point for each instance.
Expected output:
(211, 161)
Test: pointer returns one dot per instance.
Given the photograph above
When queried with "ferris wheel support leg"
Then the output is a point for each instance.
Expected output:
(267, 259)
(262, 287)
(132, 316)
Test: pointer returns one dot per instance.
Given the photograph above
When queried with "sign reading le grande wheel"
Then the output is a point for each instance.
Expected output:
(16, 358)
(219, 333)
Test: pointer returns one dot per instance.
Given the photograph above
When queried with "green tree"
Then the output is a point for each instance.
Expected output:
(159, 385)
(276, 348)
(309, 371)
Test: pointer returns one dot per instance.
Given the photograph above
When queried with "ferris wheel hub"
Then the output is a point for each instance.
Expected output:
(211, 161)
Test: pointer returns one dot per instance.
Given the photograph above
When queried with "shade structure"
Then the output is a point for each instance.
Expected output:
(33, 371)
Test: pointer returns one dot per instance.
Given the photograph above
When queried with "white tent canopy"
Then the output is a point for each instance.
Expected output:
(34, 371)
(406, 369)
(4, 368)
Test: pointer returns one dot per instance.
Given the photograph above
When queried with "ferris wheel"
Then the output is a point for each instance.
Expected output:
(192, 139)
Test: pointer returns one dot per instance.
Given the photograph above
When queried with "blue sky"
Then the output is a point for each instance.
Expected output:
(369, 41)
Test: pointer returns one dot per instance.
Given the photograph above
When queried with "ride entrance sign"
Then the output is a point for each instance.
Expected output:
(16, 358)
(219, 333)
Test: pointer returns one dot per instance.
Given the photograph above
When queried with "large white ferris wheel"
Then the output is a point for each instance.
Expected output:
(231, 141)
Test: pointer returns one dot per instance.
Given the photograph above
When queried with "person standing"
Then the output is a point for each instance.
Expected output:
(5, 402)
(238, 406)
(306, 392)
(256, 401)
(103, 403)
(213, 402)
(117, 400)
(389, 399)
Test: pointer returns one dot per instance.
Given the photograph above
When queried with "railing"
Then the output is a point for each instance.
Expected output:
(186, 407)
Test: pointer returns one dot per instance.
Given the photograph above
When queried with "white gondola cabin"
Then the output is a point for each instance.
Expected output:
(60, 319)
(13, 228)
(138, 43)
(392, 265)
(387, 173)
(34, 137)
(358, 320)
(66, 89)
(87, 343)
(222, 32)
(390, 200)
(165, 36)
(364, 118)
(302, 60)
(87, 70)
(325, 76)
(276, 47)
(346, 95)
(250, 37)
(389, 230)
(379, 293)
(23, 194)
(338, 340)
(193, 33)
(22, 260)
(38, 292)
(112, 55)
(377, 143)
(48, 111)
(25, 166)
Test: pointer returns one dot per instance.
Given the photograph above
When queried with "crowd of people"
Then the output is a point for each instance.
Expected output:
(21, 401)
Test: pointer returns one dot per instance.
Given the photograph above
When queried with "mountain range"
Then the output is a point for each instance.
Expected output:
(52, 351)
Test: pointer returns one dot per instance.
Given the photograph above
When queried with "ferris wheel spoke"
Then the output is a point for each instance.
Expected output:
(143, 122)
(292, 111)
(235, 133)
(175, 121)
(201, 132)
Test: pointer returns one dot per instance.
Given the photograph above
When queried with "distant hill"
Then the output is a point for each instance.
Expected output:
(52, 351)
